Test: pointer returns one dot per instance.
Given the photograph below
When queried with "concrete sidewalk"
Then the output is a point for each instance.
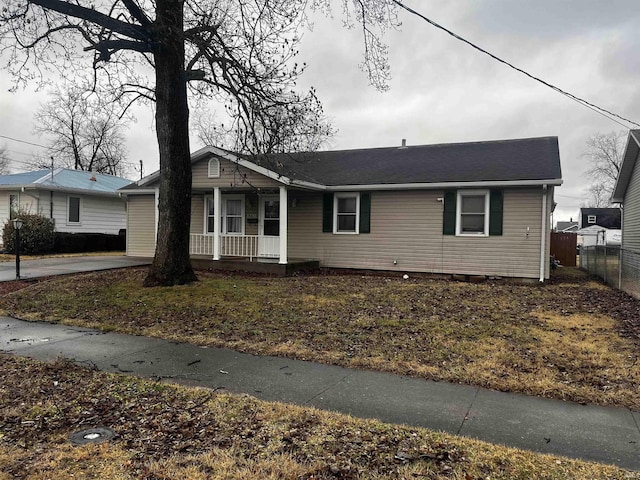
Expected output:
(45, 267)
(602, 434)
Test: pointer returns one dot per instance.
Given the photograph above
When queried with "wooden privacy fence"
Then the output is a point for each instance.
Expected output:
(563, 248)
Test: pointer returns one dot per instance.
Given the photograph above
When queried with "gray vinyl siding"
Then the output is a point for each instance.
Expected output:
(197, 215)
(406, 227)
(141, 226)
(631, 212)
(231, 175)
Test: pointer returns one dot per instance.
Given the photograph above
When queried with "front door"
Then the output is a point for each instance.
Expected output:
(269, 241)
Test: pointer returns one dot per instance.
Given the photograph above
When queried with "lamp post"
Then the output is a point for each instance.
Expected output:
(17, 225)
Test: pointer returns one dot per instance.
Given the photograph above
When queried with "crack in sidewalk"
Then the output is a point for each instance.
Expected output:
(466, 415)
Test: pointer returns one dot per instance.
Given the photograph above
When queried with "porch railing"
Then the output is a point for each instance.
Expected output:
(250, 246)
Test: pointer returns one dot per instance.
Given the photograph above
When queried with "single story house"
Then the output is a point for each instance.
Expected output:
(567, 227)
(480, 208)
(627, 193)
(76, 200)
(609, 218)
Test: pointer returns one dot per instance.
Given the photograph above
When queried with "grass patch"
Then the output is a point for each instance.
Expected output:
(572, 339)
(169, 432)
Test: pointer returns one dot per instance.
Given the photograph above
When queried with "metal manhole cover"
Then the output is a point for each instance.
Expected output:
(92, 435)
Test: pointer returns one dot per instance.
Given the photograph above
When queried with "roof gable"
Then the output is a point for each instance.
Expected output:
(629, 160)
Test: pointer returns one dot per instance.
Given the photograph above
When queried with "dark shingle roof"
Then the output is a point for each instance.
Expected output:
(504, 160)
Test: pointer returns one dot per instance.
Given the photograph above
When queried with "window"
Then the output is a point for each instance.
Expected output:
(234, 215)
(591, 219)
(472, 213)
(14, 206)
(73, 210)
(347, 213)
(214, 168)
(209, 215)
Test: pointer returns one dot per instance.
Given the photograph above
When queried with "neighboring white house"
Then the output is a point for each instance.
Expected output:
(597, 235)
(76, 200)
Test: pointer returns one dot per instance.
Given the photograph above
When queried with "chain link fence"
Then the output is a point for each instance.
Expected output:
(616, 266)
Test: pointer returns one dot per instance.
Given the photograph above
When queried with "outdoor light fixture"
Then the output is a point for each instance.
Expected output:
(92, 435)
(17, 225)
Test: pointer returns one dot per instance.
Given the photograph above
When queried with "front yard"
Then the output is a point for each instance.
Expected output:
(167, 432)
(573, 339)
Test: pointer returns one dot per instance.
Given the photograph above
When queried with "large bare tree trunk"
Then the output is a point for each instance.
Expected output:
(171, 263)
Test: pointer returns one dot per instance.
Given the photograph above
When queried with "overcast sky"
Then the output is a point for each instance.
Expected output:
(443, 90)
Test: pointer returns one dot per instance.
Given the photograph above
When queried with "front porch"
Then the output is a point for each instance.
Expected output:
(257, 265)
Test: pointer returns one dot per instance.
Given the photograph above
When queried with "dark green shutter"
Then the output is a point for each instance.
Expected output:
(449, 216)
(365, 213)
(495, 212)
(327, 212)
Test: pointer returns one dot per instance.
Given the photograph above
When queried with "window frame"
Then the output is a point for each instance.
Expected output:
(216, 173)
(337, 196)
(69, 221)
(591, 222)
(459, 213)
(223, 218)
(208, 198)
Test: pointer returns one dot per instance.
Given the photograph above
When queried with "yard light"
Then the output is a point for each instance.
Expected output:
(17, 225)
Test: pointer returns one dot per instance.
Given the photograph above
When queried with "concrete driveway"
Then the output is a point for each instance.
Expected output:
(64, 265)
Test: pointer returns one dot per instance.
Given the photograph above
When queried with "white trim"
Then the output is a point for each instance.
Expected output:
(283, 224)
(216, 173)
(592, 222)
(206, 214)
(69, 222)
(217, 207)
(335, 212)
(309, 185)
(426, 186)
(468, 193)
(543, 238)
(197, 155)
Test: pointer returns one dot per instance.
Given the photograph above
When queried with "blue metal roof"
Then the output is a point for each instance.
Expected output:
(66, 179)
(23, 178)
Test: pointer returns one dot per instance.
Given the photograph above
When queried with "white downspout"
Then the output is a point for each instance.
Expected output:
(543, 238)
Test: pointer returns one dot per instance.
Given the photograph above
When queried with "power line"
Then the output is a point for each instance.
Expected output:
(23, 141)
(602, 111)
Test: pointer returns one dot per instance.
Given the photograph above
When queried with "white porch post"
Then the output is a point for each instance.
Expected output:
(283, 224)
(217, 209)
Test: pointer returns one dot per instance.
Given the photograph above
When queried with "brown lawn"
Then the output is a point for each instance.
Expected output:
(572, 339)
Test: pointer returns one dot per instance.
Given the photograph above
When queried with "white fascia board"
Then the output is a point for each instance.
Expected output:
(203, 152)
(423, 186)
(308, 185)
(626, 169)
(137, 191)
